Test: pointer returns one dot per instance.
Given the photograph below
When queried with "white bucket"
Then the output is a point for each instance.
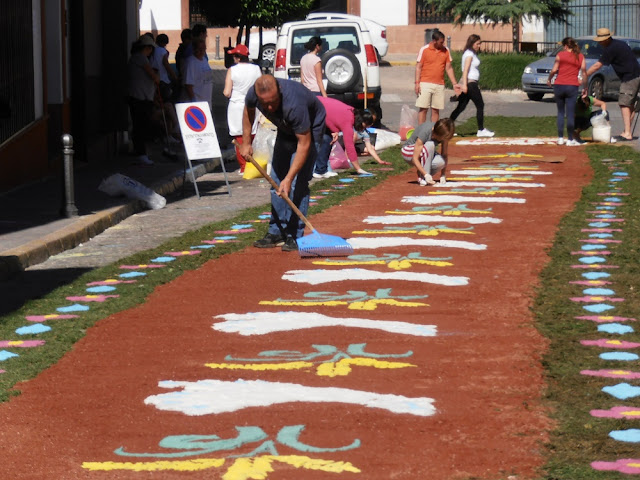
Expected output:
(602, 134)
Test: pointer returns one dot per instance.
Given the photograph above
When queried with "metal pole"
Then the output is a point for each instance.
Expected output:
(69, 209)
(217, 47)
(449, 42)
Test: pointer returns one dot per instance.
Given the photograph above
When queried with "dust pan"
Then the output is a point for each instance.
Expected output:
(316, 244)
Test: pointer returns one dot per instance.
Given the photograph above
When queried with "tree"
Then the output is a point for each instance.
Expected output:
(503, 11)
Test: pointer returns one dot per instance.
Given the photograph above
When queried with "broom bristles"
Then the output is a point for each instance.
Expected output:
(322, 245)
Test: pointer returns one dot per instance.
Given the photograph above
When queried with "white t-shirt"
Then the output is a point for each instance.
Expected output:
(243, 76)
(198, 74)
(156, 63)
(307, 71)
(474, 73)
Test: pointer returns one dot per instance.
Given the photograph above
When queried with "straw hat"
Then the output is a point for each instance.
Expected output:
(602, 34)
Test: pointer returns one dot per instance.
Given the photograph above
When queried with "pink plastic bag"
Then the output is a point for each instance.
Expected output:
(338, 158)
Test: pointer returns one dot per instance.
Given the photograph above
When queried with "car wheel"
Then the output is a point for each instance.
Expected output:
(342, 69)
(268, 52)
(536, 97)
(596, 88)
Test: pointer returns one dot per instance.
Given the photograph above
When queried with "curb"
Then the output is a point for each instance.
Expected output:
(20, 258)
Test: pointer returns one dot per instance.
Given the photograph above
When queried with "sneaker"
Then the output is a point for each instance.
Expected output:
(318, 175)
(291, 245)
(144, 160)
(485, 133)
(329, 174)
(422, 182)
(560, 141)
(269, 241)
(573, 143)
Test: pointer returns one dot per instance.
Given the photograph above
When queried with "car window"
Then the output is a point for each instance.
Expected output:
(590, 48)
(332, 37)
(635, 47)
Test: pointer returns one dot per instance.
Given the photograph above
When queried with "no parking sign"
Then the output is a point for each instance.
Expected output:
(198, 132)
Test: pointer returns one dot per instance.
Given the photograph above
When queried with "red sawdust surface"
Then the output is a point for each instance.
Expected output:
(482, 369)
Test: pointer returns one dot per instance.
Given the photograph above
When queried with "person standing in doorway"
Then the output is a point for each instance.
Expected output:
(568, 65)
(621, 58)
(434, 59)
(469, 85)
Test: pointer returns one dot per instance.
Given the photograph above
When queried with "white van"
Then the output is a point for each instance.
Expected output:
(349, 59)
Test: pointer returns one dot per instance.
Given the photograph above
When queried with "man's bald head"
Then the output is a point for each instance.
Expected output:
(268, 93)
(266, 83)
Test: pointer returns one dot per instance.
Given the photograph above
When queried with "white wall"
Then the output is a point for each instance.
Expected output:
(532, 29)
(386, 12)
(160, 15)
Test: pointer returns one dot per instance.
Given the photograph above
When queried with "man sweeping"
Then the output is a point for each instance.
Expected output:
(300, 120)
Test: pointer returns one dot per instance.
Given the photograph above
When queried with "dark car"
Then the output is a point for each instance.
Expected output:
(602, 84)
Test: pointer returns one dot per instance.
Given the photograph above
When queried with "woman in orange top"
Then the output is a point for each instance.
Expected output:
(569, 63)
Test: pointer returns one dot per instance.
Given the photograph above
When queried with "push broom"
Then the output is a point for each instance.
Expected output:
(316, 244)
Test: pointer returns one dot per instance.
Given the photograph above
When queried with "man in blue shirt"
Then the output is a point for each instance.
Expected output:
(621, 58)
(300, 119)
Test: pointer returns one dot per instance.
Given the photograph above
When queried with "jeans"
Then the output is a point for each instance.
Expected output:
(324, 150)
(565, 96)
(283, 220)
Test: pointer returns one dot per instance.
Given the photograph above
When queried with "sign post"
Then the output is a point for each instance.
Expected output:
(199, 136)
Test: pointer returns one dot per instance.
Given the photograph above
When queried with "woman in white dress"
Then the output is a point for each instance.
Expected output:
(240, 78)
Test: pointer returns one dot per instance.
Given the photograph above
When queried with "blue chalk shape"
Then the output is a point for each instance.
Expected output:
(241, 226)
(163, 259)
(33, 329)
(347, 180)
(226, 237)
(605, 207)
(5, 355)
(366, 175)
(631, 435)
(605, 215)
(598, 308)
(595, 275)
(599, 224)
(622, 391)
(265, 216)
(616, 179)
(621, 174)
(598, 291)
(615, 328)
(601, 235)
(591, 260)
(612, 199)
(101, 289)
(594, 246)
(200, 247)
(76, 307)
(623, 356)
(132, 274)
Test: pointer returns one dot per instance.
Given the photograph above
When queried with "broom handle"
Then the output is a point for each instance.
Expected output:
(275, 186)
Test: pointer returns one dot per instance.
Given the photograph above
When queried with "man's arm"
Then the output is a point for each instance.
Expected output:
(594, 68)
(300, 158)
(451, 74)
(248, 116)
(418, 70)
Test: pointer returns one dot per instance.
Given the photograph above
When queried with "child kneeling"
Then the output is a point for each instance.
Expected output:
(420, 150)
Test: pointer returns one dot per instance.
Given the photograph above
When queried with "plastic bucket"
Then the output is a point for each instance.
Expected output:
(602, 134)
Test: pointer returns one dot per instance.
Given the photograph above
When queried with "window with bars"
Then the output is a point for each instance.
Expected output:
(426, 13)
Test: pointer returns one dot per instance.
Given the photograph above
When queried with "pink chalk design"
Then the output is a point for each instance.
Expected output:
(595, 267)
(605, 220)
(215, 242)
(605, 318)
(617, 412)
(591, 283)
(2, 371)
(596, 299)
(53, 316)
(613, 194)
(592, 253)
(92, 298)
(599, 240)
(232, 232)
(608, 373)
(109, 282)
(139, 267)
(605, 343)
(183, 253)
(624, 465)
(21, 343)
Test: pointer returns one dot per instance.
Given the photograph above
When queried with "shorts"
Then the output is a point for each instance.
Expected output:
(428, 152)
(431, 95)
(628, 92)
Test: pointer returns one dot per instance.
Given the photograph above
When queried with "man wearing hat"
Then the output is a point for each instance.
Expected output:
(619, 55)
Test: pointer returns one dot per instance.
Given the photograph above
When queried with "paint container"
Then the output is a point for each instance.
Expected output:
(602, 134)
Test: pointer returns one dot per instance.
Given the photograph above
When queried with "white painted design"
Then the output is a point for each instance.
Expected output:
(509, 141)
(384, 242)
(206, 397)
(471, 172)
(454, 184)
(436, 199)
(317, 277)
(395, 219)
(261, 323)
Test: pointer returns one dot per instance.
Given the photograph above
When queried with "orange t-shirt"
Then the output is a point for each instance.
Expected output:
(433, 63)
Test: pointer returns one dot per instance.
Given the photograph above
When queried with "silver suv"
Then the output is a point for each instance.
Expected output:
(349, 59)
